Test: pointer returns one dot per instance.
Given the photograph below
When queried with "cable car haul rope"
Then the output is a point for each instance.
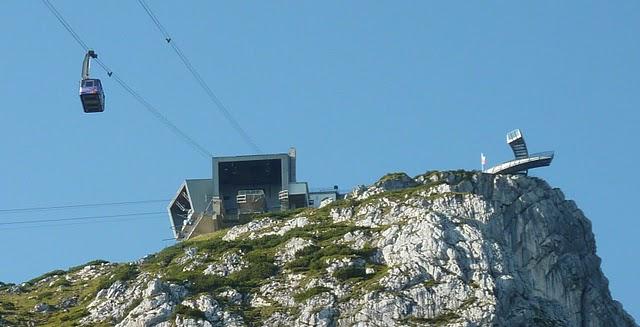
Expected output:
(92, 96)
(203, 84)
(92, 92)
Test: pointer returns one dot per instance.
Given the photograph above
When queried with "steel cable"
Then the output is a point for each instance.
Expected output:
(196, 75)
(157, 114)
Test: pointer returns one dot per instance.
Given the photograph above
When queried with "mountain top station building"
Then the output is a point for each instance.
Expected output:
(240, 186)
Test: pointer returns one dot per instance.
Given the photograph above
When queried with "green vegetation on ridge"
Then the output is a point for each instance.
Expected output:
(258, 254)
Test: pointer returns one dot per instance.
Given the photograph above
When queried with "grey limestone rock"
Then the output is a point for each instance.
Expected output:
(157, 305)
(229, 263)
(42, 308)
(442, 249)
(288, 252)
(478, 250)
(69, 302)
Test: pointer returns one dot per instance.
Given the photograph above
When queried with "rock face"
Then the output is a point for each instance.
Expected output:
(442, 249)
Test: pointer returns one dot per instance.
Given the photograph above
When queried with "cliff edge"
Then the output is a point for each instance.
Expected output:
(441, 249)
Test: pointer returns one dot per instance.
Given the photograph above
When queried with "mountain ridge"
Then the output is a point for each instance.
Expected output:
(451, 248)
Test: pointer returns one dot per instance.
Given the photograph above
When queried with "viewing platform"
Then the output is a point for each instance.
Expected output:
(516, 166)
(523, 160)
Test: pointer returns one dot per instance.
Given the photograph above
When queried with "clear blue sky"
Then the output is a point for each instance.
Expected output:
(360, 88)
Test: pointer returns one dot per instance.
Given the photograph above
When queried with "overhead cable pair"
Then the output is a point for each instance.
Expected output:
(212, 96)
(155, 112)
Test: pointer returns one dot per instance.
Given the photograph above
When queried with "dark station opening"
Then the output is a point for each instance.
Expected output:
(298, 201)
(265, 175)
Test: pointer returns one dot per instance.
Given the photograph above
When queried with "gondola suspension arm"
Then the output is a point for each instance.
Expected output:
(87, 63)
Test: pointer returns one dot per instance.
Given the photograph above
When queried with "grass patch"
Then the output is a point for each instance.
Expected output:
(8, 306)
(44, 295)
(303, 296)
(254, 316)
(279, 214)
(61, 282)
(74, 315)
(22, 304)
(430, 283)
(124, 272)
(164, 257)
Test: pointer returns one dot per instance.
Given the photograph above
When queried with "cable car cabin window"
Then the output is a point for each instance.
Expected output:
(88, 83)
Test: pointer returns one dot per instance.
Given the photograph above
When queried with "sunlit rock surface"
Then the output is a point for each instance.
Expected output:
(441, 249)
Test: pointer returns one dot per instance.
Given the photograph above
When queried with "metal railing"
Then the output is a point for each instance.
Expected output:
(251, 192)
(512, 163)
(542, 154)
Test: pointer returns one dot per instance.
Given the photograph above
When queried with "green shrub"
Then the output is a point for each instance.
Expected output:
(391, 176)
(124, 272)
(267, 241)
(300, 297)
(96, 262)
(314, 258)
(336, 231)
(189, 312)
(349, 272)
(44, 295)
(199, 283)
(218, 245)
(73, 315)
(49, 274)
(62, 282)
(90, 263)
(255, 316)
(260, 268)
(430, 283)
(7, 306)
(299, 264)
(132, 305)
(440, 320)
(444, 318)
(252, 276)
(469, 301)
(258, 254)
(164, 257)
(309, 250)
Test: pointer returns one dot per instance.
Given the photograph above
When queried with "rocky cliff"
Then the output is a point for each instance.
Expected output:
(442, 249)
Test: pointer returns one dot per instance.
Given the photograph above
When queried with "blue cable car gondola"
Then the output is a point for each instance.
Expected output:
(91, 92)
